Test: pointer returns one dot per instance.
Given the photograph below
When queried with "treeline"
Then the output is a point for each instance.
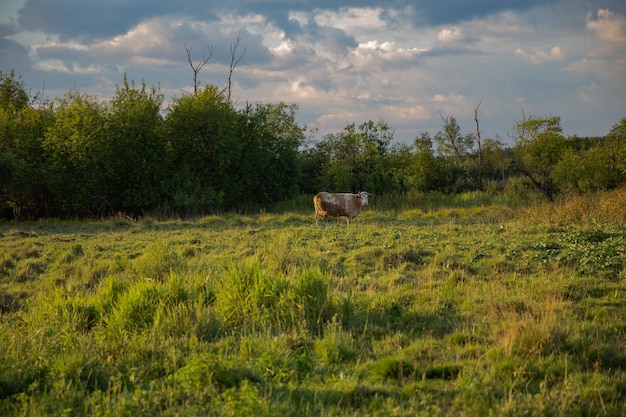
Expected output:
(79, 157)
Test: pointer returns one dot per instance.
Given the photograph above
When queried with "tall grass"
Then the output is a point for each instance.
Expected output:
(435, 306)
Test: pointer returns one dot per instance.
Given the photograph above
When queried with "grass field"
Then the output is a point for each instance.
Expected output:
(444, 306)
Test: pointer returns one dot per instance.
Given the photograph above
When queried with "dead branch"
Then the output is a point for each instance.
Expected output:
(234, 60)
(197, 67)
(477, 137)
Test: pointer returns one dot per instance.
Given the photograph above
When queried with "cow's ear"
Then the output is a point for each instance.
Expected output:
(358, 196)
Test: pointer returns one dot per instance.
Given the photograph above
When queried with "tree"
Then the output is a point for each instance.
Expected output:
(202, 142)
(22, 128)
(355, 157)
(616, 144)
(425, 173)
(197, 67)
(450, 142)
(496, 158)
(73, 145)
(397, 165)
(477, 136)
(134, 155)
(269, 167)
(592, 164)
(539, 146)
(13, 94)
(234, 61)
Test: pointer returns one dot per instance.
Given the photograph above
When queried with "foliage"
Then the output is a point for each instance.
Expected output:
(271, 139)
(79, 157)
(616, 144)
(13, 94)
(22, 128)
(133, 158)
(450, 142)
(216, 152)
(424, 172)
(539, 146)
(73, 145)
(200, 133)
(354, 158)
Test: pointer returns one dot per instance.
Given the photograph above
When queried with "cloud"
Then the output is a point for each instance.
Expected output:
(404, 111)
(608, 26)
(609, 72)
(445, 12)
(8, 29)
(452, 103)
(16, 55)
(374, 53)
(353, 19)
(155, 42)
(341, 61)
(605, 55)
(88, 19)
(450, 34)
(538, 56)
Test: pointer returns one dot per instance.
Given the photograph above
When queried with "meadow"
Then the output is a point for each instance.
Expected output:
(441, 306)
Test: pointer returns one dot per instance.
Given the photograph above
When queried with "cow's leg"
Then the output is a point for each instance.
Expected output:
(317, 219)
(348, 220)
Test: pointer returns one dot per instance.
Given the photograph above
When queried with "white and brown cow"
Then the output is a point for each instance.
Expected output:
(336, 205)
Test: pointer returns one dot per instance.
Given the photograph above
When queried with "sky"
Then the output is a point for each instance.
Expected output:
(410, 63)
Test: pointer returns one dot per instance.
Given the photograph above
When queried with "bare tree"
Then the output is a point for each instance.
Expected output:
(197, 67)
(477, 137)
(234, 60)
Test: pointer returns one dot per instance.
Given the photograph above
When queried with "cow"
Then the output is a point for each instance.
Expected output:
(347, 205)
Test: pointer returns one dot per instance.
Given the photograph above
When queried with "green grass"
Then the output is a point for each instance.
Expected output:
(440, 306)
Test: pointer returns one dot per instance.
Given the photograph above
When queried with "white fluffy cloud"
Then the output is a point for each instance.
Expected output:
(608, 26)
(537, 56)
(450, 34)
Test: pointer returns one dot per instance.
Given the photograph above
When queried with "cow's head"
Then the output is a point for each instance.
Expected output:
(364, 196)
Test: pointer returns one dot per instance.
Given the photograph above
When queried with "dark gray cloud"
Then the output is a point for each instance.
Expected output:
(332, 40)
(92, 19)
(14, 57)
(8, 29)
(454, 11)
(95, 18)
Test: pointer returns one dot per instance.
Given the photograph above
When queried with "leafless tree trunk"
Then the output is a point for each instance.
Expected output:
(478, 140)
(234, 60)
(197, 67)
